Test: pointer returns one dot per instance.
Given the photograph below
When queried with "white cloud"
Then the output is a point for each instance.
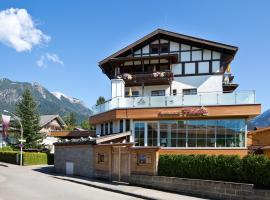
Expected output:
(18, 30)
(48, 57)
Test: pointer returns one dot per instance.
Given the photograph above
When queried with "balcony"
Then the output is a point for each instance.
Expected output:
(155, 78)
(228, 86)
(202, 99)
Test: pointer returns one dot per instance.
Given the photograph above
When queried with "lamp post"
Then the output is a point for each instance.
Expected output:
(21, 140)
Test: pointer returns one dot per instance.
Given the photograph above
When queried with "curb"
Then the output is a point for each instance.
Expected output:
(107, 188)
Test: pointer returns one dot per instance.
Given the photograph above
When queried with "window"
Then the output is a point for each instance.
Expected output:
(134, 93)
(174, 92)
(156, 48)
(127, 125)
(223, 133)
(101, 129)
(121, 129)
(142, 159)
(158, 93)
(164, 48)
(152, 128)
(101, 158)
(111, 127)
(216, 66)
(189, 91)
(190, 68)
(139, 133)
(106, 128)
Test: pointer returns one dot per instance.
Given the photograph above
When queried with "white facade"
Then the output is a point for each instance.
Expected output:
(203, 84)
(117, 88)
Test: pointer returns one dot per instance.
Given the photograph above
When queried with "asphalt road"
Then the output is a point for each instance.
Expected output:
(19, 183)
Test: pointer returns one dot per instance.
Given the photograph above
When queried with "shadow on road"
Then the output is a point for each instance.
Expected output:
(50, 170)
(3, 165)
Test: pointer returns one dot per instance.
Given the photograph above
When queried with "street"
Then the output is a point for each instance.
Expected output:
(24, 183)
(37, 183)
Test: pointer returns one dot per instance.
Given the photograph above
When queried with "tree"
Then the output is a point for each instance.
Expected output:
(26, 110)
(100, 100)
(71, 121)
(86, 125)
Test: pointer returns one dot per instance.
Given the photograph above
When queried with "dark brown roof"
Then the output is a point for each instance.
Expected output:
(97, 140)
(72, 134)
(190, 39)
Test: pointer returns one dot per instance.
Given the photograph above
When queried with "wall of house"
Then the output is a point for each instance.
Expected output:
(82, 157)
(203, 84)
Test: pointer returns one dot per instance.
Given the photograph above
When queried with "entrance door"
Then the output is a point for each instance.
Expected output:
(69, 168)
(120, 163)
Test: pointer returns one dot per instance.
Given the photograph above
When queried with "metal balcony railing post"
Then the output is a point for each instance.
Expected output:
(235, 98)
(182, 99)
(149, 101)
(217, 98)
(200, 99)
(166, 101)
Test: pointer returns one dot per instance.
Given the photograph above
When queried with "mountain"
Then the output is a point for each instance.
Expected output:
(48, 102)
(262, 120)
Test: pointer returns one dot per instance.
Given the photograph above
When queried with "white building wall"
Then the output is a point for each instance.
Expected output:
(204, 83)
(117, 88)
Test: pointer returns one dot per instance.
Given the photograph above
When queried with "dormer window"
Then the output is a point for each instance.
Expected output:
(156, 48)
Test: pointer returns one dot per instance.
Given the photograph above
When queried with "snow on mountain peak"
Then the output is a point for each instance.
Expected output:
(59, 95)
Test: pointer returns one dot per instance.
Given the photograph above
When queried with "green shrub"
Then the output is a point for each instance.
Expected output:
(8, 157)
(250, 169)
(7, 148)
(33, 158)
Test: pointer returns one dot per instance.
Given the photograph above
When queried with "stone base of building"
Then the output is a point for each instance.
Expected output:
(202, 188)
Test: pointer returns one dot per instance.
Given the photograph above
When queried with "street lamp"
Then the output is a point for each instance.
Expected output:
(21, 140)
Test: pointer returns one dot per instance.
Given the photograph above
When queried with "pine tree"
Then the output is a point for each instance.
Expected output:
(100, 100)
(26, 110)
(71, 121)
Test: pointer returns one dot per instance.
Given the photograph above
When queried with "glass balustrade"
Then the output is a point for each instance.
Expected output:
(201, 99)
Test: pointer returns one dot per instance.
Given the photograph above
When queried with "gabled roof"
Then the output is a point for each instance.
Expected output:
(45, 119)
(175, 36)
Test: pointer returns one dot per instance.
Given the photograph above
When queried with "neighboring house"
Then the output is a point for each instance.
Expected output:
(49, 123)
(259, 141)
(176, 92)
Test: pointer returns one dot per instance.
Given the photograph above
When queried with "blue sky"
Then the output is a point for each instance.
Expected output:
(77, 34)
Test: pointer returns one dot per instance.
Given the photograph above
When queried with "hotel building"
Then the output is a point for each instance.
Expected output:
(176, 92)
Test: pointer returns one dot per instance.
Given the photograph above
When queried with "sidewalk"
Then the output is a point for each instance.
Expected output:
(127, 189)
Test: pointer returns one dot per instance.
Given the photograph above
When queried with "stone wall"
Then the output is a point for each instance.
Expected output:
(82, 157)
(202, 188)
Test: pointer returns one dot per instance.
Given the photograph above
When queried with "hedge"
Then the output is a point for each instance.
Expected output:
(253, 169)
(33, 158)
(29, 158)
(8, 157)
